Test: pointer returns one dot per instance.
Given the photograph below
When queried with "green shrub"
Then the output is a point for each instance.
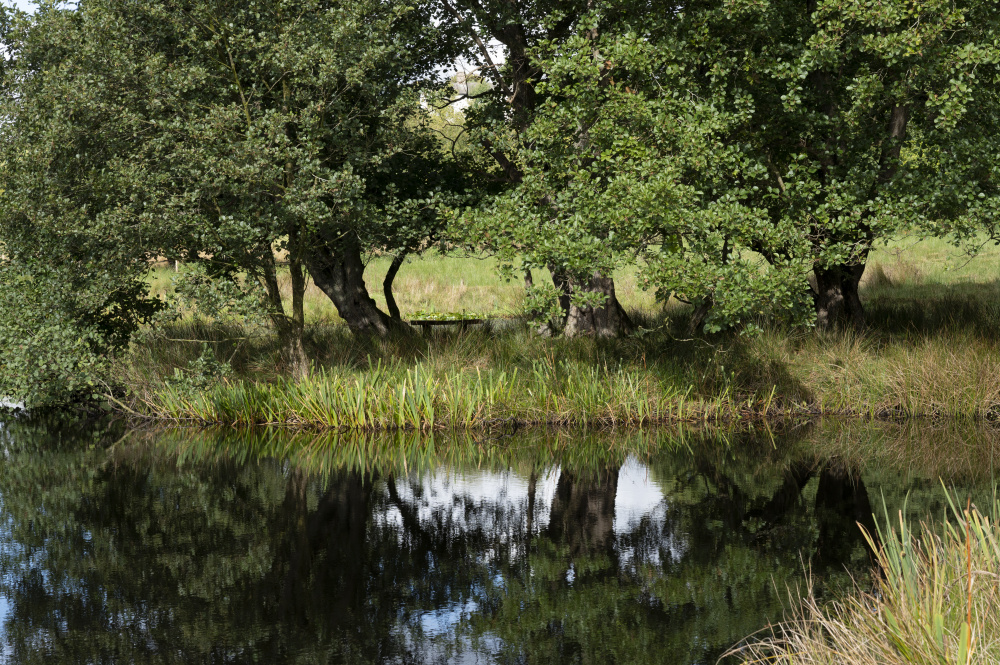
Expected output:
(58, 330)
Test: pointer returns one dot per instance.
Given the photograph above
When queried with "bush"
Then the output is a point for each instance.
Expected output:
(58, 330)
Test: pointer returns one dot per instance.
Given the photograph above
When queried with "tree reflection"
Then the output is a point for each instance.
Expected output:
(583, 511)
(120, 552)
(117, 559)
(677, 588)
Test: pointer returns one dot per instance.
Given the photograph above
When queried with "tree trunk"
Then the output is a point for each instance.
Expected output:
(608, 320)
(295, 327)
(561, 281)
(698, 316)
(390, 276)
(583, 511)
(836, 297)
(337, 269)
(295, 347)
(290, 329)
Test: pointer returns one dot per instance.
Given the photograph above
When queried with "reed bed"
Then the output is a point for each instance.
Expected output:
(398, 397)
(936, 602)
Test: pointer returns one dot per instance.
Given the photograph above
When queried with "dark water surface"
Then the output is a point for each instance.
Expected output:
(665, 546)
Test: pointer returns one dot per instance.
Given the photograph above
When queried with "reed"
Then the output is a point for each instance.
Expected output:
(398, 397)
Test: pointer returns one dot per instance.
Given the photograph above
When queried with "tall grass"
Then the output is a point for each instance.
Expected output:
(936, 602)
(942, 361)
(396, 396)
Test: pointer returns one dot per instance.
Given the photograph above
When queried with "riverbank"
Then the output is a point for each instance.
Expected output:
(930, 350)
(937, 358)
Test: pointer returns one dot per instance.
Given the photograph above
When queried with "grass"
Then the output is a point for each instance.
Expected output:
(931, 349)
(937, 601)
(451, 381)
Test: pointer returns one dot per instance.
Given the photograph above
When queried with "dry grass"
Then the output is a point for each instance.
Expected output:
(953, 373)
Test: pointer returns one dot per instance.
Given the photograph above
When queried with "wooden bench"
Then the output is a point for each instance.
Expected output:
(425, 324)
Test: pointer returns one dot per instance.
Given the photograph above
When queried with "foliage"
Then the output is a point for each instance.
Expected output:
(70, 272)
(46, 353)
(202, 373)
(204, 131)
(846, 99)
(222, 297)
(740, 156)
(734, 149)
(627, 161)
(60, 327)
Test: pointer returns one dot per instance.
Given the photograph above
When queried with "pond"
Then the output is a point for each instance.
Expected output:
(656, 546)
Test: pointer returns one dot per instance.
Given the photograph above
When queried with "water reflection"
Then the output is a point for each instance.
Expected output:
(644, 547)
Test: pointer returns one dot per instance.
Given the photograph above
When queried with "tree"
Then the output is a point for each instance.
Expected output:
(497, 125)
(71, 266)
(748, 156)
(304, 134)
(627, 162)
(850, 102)
(232, 134)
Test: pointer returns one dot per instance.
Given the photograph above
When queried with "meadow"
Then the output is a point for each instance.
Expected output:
(930, 349)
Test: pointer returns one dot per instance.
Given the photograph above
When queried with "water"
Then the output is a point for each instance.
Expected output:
(667, 546)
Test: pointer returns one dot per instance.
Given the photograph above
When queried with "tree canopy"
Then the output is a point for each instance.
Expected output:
(743, 156)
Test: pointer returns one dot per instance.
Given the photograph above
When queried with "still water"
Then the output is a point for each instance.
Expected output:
(663, 546)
